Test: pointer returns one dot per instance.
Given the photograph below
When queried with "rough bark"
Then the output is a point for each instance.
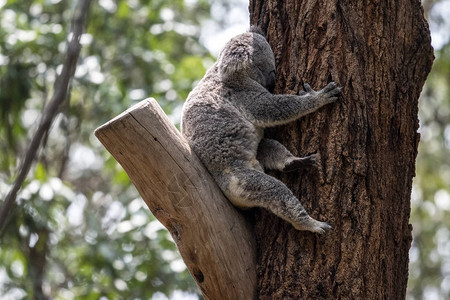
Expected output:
(380, 53)
(212, 237)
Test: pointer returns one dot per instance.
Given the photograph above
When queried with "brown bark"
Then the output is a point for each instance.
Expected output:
(380, 53)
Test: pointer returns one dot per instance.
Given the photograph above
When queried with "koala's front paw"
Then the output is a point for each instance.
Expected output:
(330, 92)
(327, 95)
(301, 163)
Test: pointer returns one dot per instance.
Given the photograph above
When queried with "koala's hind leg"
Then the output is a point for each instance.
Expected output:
(252, 188)
(274, 156)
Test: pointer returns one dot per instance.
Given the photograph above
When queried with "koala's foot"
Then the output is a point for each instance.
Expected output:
(312, 225)
(301, 163)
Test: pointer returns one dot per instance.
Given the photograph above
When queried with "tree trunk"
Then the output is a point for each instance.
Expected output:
(380, 53)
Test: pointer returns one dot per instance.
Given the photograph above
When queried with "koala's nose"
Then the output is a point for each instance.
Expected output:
(271, 82)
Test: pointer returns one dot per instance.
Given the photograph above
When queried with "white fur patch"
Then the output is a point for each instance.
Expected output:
(236, 194)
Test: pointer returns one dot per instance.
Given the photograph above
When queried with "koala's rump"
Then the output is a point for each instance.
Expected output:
(220, 135)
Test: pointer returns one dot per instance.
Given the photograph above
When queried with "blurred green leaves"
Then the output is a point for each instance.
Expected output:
(430, 253)
(80, 230)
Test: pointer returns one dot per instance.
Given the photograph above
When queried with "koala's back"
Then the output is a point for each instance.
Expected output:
(215, 129)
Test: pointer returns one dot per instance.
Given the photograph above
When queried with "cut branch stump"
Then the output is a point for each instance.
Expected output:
(213, 238)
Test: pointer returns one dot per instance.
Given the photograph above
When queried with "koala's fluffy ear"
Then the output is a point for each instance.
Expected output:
(257, 29)
(235, 57)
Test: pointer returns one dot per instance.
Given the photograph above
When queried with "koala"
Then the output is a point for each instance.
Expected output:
(224, 118)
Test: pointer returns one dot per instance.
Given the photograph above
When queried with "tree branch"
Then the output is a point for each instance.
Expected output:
(212, 237)
(60, 94)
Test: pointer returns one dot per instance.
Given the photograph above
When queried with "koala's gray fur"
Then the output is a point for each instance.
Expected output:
(224, 119)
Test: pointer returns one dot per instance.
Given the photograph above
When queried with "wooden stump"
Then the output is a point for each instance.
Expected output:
(212, 236)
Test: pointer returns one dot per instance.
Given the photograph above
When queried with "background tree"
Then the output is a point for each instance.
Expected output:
(367, 141)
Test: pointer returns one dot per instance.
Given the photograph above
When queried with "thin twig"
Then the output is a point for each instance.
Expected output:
(60, 94)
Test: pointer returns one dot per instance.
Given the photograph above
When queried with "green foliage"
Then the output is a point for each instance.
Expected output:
(430, 253)
(80, 230)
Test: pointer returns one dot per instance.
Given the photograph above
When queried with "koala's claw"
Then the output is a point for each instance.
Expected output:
(308, 88)
(330, 86)
(302, 163)
(314, 226)
(322, 227)
(329, 92)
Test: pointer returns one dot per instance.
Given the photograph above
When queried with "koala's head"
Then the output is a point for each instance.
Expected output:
(248, 54)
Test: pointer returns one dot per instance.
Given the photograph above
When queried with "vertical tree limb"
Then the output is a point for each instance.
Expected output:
(380, 53)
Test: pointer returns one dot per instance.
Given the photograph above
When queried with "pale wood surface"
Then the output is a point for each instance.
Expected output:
(212, 237)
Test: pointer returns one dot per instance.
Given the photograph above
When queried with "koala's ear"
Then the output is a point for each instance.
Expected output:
(235, 57)
(258, 30)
